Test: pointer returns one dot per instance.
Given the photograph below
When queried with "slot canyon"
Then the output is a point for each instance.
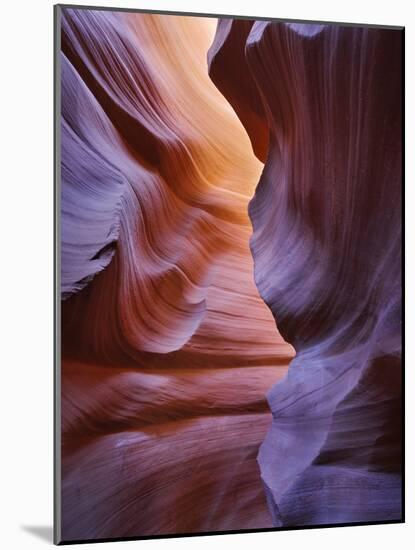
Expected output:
(230, 274)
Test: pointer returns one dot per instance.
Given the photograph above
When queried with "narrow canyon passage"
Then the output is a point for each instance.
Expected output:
(168, 349)
(172, 130)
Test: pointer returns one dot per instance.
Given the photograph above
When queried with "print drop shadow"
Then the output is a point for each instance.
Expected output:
(43, 532)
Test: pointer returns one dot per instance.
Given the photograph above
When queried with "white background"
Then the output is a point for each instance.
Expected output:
(26, 267)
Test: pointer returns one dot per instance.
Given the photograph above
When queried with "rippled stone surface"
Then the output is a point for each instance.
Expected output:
(327, 250)
(168, 349)
(184, 409)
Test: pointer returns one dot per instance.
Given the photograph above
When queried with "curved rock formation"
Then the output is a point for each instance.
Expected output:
(327, 250)
(168, 350)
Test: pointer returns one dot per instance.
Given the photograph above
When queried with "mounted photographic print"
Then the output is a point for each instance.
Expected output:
(228, 274)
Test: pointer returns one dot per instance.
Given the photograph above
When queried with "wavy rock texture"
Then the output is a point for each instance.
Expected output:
(168, 349)
(322, 105)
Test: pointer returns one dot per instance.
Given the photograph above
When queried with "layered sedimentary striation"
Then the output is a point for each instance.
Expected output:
(170, 301)
(168, 349)
(327, 251)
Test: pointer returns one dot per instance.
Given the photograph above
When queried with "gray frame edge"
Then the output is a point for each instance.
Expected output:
(227, 16)
(57, 536)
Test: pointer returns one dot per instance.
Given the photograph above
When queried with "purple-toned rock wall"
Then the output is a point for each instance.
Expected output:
(327, 252)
